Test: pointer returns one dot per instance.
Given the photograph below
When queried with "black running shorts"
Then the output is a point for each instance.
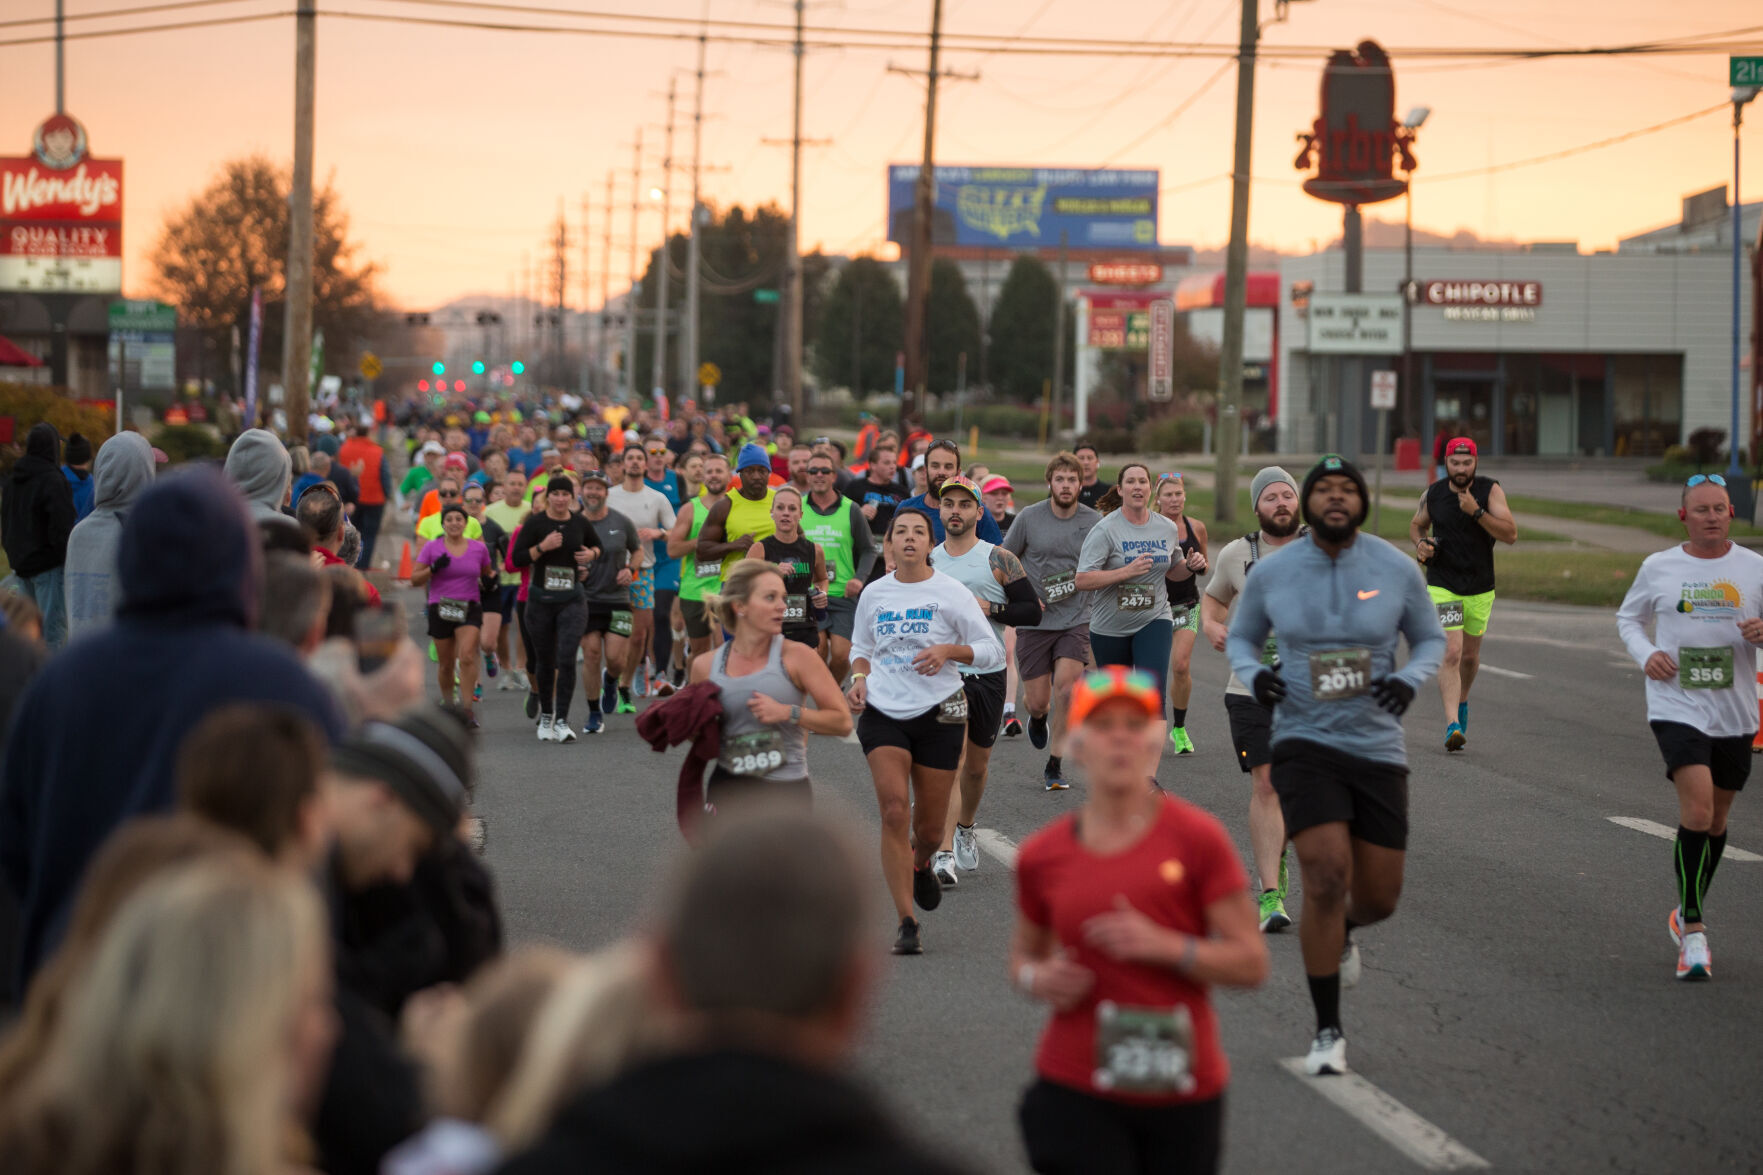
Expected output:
(1728, 759)
(443, 630)
(931, 743)
(696, 617)
(1251, 731)
(1320, 785)
(985, 706)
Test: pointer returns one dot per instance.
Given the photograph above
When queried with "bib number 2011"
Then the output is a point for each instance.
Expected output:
(1339, 674)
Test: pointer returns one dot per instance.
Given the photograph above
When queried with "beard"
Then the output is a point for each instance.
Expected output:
(1332, 534)
(1462, 480)
(1277, 529)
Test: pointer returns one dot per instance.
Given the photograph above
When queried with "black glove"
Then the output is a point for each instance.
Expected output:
(1270, 688)
(440, 563)
(1393, 694)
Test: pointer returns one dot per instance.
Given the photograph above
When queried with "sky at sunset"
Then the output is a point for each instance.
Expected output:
(451, 148)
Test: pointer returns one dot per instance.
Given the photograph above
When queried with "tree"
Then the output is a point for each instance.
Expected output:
(951, 327)
(1020, 335)
(862, 328)
(232, 237)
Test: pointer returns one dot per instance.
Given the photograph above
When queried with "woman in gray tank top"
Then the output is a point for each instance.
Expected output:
(767, 685)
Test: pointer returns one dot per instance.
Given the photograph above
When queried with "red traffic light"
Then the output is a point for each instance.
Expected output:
(422, 385)
(459, 385)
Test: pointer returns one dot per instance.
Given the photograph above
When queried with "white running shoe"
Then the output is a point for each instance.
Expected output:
(943, 865)
(507, 683)
(545, 724)
(1328, 1054)
(966, 849)
(1694, 961)
(1350, 965)
(562, 732)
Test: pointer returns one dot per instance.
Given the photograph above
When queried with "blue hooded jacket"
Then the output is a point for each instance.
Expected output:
(96, 736)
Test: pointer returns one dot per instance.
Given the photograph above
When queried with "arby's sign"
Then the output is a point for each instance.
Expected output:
(60, 214)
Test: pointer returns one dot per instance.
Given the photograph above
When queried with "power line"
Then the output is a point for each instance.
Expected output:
(174, 6)
(1580, 150)
(95, 34)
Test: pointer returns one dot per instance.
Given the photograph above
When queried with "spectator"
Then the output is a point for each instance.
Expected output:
(76, 466)
(36, 517)
(254, 769)
(367, 464)
(320, 511)
(189, 566)
(293, 601)
(260, 466)
(123, 472)
(771, 978)
(21, 656)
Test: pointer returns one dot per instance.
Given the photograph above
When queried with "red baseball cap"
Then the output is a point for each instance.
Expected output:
(1460, 445)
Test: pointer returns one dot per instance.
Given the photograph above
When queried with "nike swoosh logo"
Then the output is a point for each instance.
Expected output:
(1369, 594)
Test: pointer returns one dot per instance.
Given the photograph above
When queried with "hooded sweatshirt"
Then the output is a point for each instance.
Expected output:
(188, 565)
(260, 466)
(37, 513)
(122, 472)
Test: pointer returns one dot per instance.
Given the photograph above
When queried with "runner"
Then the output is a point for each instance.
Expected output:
(446, 492)
(1275, 498)
(1702, 597)
(556, 544)
(608, 623)
(841, 529)
(510, 511)
(1049, 537)
(941, 462)
(767, 682)
(912, 717)
(1093, 486)
(454, 567)
(1183, 586)
(698, 573)
(995, 578)
(803, 566)
(1128, 910)
(652, 514)
(879, 492)
(672, 486)
(1339, 600)
(744, 517)
(1466, 512)
(1125, 558)
(999, 500)
(496, 541)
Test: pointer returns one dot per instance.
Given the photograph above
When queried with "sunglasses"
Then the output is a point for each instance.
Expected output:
(820, 473)
(1702, 477)
(1163, 477)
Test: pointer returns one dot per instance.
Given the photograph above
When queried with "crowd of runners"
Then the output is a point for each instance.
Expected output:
(751, 589)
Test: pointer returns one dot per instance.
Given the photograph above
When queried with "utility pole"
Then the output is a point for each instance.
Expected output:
(587, 322)
(1058, 343)
(297, 335)
(560, 280)
(606, 293)
(60, 59)
(688, 353)
(632, 300)
(792, 389)
(658, 366)
(1236, 276)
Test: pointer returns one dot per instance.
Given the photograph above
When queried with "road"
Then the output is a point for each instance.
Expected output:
(1521, 1004)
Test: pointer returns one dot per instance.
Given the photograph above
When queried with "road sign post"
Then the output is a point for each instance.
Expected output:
(1162, 382)
(1383, 398)
(1745, 71)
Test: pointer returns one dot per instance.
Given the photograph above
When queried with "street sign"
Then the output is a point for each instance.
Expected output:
(370, 365)
(1383, 390)
(1356, 324)
(709, 375)
(767, 297)
(1162, 383)
(1745, 71)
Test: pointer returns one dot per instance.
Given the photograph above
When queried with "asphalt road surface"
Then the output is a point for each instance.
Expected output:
(1519, 1011)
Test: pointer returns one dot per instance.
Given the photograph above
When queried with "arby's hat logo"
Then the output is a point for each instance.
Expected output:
(1356, 139)
(60, 142)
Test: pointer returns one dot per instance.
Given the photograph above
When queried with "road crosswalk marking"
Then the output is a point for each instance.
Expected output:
(1652, 828)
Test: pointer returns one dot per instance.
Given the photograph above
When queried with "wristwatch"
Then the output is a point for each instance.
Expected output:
(796, 714)
(1479, 511)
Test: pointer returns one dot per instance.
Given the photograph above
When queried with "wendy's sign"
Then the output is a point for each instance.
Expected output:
(1356, 139)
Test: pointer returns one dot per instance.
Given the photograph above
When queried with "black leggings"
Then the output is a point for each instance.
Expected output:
(556, 631)
(662, 644)
(526, 640)
(1081, 1134)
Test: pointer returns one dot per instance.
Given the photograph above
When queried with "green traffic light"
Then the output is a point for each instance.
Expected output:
(478, 367)
(440, 368)
(518, 367)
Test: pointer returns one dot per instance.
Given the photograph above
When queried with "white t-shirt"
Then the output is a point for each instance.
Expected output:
(1696, 604)
(646, 508)
(897, 621)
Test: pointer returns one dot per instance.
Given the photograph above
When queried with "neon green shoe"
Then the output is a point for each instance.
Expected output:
(434, 654)
(1273, 913)
(1285, 878)
(1178, 738)
(625, 705)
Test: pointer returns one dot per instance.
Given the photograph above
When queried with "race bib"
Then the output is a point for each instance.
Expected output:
(952, 710)
(1450, 613)
(453, 612)
(1339, 674)
(597, 433)
(1134, 597)
(1700, 668)
(1143, 1050)
(1184, 616)
(1060, 587)
(707, 568)
(559, 579)
(1270, 650)
(621, 623)
(796, 609)
(755, 753)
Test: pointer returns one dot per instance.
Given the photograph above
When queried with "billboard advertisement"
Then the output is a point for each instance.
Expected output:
(1029, 207)
(60, 215)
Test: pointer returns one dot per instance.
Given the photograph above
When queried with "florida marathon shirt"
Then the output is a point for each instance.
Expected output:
(897, 621)
(1695, 606)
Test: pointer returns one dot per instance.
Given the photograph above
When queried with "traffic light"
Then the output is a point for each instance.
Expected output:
(440, 368)
(518, 367)
(422, 385)
(478, 367)
(459, 385)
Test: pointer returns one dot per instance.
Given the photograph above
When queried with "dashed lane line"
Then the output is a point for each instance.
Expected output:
(1512, 673)
(1390, 1120)
(1000, 847)
(1661, 831)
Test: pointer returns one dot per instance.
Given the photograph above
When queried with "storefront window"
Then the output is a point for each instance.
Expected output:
(1649, 403)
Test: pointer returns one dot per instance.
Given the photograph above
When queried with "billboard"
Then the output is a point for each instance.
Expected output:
(1029, 207)
(60, 214)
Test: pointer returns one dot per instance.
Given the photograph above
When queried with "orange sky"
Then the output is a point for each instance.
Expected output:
(451, 148)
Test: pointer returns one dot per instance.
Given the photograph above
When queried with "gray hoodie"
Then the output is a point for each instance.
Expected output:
(260, 466)
(123, 470)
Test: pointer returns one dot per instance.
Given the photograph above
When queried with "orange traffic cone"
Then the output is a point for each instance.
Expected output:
(405, 566)
(1757, 742)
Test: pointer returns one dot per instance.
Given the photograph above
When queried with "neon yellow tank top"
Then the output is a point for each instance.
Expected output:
(748, 517)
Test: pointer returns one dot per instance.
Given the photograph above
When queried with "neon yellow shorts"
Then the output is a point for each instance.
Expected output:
(1476, 610)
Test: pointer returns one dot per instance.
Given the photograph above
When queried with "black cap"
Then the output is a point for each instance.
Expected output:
(1333, 464)
(424, 758)
(77, 451)
(559, 482)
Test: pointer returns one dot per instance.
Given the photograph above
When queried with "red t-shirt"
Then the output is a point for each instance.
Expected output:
(1177, 869)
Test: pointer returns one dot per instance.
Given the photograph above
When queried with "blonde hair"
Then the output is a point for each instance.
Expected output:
(163, 1059)
(737, 588)
(502, 1003)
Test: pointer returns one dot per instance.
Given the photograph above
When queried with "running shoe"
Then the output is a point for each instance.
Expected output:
(1693, 960)
(532, 705)
(491, 666)
(943, 865)
(595, 724)
(434, 653)
(966, 849)
(1053, 781)
(1350, 965)
(471, 722)
(1273, 913)
(906, 942)
(1674, 926)
(1285, 878)
(477, 692)
(608, 692)
(1012, 728)
(507, 683)
(562, 731)
(1178, 737)
(1454, 738)
(625, 705)
(662, 689)
(926, 890)
(1328, 1054)
(1463, 716)
(545, 728)
(1037, 732)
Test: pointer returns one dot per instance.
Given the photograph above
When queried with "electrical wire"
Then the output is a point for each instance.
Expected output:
(1169, 119)
(1580, 150)
(174, 6)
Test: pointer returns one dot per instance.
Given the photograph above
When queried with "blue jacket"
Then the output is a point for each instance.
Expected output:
(988, 526)
(80, 482)
(95, 738)
(1362, 599)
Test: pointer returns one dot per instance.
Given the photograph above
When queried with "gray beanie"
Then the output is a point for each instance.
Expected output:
(1269, 476)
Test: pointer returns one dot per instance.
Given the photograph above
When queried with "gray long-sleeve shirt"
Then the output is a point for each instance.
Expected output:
(1362, 599)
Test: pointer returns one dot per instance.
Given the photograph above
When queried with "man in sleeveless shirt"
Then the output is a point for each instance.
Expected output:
(1465, 512)
(744, 517)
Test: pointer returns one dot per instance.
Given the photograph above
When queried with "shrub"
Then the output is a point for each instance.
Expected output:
(190, 442)
(29, 404)
(1704, 445)
(1174, 434)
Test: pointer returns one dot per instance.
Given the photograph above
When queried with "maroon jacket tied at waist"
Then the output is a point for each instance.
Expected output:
(694, 715)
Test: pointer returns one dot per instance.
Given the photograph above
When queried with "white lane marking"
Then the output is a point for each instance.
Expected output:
(1664, 833)
(1390, 1120)
(997, 845)
(853, 739)
(1498, 672)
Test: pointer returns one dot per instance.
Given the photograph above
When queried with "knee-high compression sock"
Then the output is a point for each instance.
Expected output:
(1325, 993)
(1690, 861)
(1180, 714)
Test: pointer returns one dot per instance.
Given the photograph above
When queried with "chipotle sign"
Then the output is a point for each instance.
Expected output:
(60, 214)
(1484, 300)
